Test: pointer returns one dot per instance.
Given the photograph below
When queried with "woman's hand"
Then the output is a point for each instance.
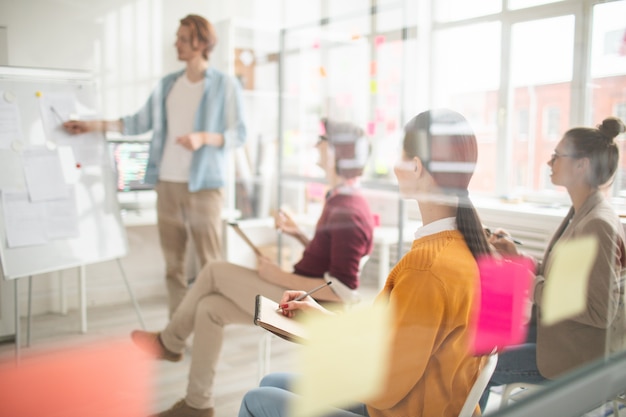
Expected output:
(290, 307)
(502, 241)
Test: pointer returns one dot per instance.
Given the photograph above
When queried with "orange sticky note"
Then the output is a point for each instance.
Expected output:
(323, 71)
(112, 378)
(373, 68)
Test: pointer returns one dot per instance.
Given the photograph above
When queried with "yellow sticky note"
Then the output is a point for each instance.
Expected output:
(344, 361)
(373, 86)
(565, 290)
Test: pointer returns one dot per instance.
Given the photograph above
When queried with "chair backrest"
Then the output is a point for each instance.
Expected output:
(349, 297)
(362, 262)
(479, 386)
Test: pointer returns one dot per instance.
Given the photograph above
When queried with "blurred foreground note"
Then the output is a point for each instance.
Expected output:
(500, 311)
(344, 361)
(565, 288)
(112, 378)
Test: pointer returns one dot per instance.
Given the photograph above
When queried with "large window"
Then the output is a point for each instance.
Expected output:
(522, 89)
(608, 72)
(466, 78)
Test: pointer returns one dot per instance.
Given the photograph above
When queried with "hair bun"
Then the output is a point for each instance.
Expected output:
(611, 127)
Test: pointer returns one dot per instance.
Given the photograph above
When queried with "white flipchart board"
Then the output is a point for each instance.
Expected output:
(88, 171)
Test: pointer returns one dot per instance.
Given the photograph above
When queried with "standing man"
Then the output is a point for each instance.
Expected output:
(195, 116)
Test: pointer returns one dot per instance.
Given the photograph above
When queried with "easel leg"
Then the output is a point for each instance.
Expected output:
(17, 321)
(131, 294)
(30, 309)
(82, 298)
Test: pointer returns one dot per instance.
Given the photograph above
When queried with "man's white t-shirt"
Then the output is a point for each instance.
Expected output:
(182, 103)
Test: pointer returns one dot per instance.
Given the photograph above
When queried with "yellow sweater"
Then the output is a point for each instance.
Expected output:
(431, 369)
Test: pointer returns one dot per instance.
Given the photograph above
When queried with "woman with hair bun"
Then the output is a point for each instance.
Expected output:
(584, 161)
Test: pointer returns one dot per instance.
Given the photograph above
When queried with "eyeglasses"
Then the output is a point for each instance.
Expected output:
(556, 155)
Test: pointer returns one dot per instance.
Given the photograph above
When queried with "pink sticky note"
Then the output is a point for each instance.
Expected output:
(500, 311)
(316, 191)
(380, 115)
(379, 40)
(371, 128)
(322, 129)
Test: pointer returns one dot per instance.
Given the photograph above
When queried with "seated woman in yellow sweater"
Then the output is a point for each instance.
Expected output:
(431, 370)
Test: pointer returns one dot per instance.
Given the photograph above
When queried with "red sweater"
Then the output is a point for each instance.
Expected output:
(343, 235)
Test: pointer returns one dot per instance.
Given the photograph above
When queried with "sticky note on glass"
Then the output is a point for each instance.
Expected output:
(565, 288)
(112, 378)
(500, 312)
(373, 86)
(343, 362)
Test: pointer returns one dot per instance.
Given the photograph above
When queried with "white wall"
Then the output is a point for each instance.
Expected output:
(127, 44)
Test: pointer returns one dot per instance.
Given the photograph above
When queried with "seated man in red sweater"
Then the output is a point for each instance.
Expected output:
(224, 293)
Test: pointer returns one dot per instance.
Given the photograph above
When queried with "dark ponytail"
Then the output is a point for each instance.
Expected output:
(469, 224)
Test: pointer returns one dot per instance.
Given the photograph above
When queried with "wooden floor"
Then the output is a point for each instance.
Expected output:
(238, 367)
(237, 371)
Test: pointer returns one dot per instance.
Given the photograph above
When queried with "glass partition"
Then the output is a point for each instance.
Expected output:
(348, 67)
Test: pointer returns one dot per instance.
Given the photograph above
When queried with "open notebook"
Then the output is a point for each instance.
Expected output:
(266, 315)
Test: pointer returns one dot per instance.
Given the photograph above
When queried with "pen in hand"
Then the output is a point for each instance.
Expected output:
(502, 235)
(306, 294)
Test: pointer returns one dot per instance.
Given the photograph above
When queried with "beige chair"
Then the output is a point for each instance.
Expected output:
(620, 399)
(479, 386)
(265, 343)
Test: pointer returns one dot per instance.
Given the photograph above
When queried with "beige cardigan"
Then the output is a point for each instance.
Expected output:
(600, 329)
